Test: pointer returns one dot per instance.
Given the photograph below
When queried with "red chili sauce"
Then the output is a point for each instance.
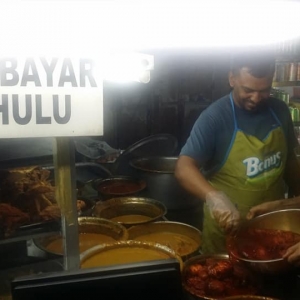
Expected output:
(219, 278)
(265, 244)
(119, 187)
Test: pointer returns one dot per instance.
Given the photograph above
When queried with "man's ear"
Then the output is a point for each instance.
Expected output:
(231, 79)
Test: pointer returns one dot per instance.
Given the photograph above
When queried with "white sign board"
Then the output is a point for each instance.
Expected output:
(50, 97)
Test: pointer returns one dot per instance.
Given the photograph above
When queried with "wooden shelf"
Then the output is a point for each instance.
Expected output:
(285, 83)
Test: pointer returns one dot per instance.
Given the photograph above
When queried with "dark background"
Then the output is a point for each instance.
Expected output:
(182, 85)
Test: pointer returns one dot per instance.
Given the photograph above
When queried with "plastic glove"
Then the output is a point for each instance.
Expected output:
(223, 210)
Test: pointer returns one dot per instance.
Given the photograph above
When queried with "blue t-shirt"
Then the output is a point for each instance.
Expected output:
(212, 132)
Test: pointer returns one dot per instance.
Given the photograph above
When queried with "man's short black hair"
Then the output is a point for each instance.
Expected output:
(260, 63)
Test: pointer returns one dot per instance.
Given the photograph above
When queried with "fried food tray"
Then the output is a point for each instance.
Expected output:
(85, 173)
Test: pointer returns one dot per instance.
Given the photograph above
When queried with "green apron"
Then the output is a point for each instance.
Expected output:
(252, 173)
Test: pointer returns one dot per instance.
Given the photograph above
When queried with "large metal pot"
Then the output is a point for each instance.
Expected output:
(158, 172)
(162, 144)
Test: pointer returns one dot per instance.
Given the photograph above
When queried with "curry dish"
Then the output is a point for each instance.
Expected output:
(182, 244)
(218, 278)
(130, 219)
(86, 241)
(265, 244)
(122, 256)
(119, 187)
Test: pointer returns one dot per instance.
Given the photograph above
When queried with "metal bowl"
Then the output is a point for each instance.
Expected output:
(130, 211)
(248, 297)
(118, 186)
(125, 252)
(93, 225)
(182, 238)
(286, 220)
(246, 281)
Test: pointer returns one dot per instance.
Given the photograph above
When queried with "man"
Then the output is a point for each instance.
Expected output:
(240, 152)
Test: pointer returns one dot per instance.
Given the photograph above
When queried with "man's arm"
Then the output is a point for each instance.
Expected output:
(221, 208)
(190, 178)
(273, 205)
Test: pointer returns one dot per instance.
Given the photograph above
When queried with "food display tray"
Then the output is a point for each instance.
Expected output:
(85, 173)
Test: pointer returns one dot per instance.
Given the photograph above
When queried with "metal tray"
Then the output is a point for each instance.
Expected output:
(85, 172)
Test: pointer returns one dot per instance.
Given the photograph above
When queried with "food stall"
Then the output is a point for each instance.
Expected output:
(48, 100)
(43, 99)
(28, 196)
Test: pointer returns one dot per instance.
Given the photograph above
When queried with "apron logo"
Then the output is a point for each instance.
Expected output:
(256, 166)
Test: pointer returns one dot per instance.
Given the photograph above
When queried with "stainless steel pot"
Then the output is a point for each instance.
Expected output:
(158, 172)
(162, 144)
(286, 220)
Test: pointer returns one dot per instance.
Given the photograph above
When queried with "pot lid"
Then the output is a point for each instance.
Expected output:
(154, 145)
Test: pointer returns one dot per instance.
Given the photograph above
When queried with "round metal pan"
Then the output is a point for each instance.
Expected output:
(125, 252)
(182, 238)
(118, 186)
(87, 225)
(130, 211)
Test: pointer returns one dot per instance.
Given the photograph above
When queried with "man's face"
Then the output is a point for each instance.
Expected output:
(250, 92)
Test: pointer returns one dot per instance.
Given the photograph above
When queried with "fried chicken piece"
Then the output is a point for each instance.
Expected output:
(51, 212)
(221, 269)
(215, 288)
(11, 218)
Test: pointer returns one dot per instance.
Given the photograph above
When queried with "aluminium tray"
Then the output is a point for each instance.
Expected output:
(85, 173)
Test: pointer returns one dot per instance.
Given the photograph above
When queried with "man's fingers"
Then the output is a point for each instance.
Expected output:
(250, 215)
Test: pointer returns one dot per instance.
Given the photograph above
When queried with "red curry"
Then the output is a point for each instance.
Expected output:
(265, 244)
(219, 278)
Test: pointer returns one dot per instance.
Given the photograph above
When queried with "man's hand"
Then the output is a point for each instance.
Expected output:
(292, 254)
(223, 210)
(263, 208)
